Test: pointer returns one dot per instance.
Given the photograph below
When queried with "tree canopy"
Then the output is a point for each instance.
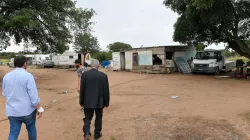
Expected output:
(102, 55)
(48, 24)
(213, 21)
(86, 43)
(200, 47)
(118, 46)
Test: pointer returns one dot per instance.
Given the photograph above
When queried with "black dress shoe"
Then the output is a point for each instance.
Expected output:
(97, 137)
(87, 137)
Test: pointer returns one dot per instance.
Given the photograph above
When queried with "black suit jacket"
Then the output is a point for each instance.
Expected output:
(94, 90)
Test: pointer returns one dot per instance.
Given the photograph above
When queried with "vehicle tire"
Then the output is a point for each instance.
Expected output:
(217, 71)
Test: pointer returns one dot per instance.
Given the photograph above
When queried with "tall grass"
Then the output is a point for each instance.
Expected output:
(238, 57)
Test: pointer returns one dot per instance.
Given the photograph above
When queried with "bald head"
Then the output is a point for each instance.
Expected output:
(94, 63)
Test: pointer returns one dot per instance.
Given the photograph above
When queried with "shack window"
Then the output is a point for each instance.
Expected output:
(71, 57)
(135, 59)
(157, 60)
(169, 55)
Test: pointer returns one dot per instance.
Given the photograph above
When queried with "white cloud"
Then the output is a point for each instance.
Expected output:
(14, 48)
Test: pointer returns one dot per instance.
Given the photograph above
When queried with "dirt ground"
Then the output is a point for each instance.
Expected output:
(141, 107)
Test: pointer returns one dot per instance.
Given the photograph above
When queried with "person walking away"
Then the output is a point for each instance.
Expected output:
(22, 101)
(80, 70)
(94, 96)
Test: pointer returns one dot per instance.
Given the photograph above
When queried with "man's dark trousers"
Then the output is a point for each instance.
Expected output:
(89, 113)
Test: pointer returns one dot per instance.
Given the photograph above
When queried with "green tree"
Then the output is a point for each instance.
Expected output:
(7, 55)
(108, 55)
(86, 43)
(118, 46)
(102, 55)
(213, 21)
(227, 53)
(248, 43)
(200, 47)
(49, 24)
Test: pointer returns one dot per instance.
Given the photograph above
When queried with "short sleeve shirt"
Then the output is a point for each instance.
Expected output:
(80, 71)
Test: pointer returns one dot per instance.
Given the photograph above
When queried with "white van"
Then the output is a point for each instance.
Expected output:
(11, 63)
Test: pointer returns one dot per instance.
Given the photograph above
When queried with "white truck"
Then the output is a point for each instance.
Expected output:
(210, 61)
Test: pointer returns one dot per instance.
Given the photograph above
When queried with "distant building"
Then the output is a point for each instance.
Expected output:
(159, 59)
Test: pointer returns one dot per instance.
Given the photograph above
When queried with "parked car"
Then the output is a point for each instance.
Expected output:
(48, 64)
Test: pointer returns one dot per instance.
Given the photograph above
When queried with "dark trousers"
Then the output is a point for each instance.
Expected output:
(88, 112)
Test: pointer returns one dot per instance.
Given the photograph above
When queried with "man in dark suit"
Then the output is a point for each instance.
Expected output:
(94, 96)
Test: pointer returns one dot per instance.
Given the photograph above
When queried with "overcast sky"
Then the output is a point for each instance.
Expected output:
(136, 22)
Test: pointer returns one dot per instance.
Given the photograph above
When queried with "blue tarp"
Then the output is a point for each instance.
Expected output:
(105, 64)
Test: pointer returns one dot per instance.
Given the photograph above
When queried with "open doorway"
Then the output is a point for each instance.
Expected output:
(79, 56)
(135, 59)
(122, 59)
(169, 55)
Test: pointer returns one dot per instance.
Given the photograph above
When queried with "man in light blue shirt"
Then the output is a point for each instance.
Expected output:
(22, 101)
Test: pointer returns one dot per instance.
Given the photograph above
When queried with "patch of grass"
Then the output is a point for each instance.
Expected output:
(5, 61)
(33, 67)
(246, 116)
(113, 138)
(239, 57)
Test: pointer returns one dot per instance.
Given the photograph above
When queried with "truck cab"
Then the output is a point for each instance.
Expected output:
(208, 61)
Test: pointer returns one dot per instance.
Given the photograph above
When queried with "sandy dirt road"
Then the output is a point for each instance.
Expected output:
(141, 107)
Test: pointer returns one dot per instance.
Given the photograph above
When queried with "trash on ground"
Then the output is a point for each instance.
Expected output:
(222, 76)
(174, 97)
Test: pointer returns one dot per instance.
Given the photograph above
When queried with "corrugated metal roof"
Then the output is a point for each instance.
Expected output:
(158, 47)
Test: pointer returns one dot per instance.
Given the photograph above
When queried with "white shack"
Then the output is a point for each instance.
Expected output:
(159, 59)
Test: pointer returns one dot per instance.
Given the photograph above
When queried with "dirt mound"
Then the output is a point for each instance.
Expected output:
(185, 128)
